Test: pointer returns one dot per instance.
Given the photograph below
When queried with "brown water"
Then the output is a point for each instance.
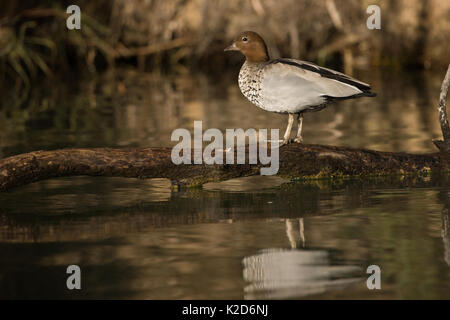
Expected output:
(247, 238)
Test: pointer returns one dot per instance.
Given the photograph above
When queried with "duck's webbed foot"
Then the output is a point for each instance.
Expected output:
(286, 141)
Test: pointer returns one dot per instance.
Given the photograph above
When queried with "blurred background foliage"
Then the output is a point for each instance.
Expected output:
(181, 35)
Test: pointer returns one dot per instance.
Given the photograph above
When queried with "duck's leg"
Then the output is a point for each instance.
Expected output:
(299, 138)
(287, 134)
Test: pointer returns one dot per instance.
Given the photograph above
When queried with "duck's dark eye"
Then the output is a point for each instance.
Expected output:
(244, 39)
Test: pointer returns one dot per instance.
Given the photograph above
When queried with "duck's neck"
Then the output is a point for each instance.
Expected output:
(253, 65)
(258, 54)
(250, 69)
(257, 58)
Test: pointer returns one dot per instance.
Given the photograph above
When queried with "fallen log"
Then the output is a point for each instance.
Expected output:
(444, 145)
(296, 161)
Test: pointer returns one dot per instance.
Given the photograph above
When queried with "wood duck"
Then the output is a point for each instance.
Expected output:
(288, 85)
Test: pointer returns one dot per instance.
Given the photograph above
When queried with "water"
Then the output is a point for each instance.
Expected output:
(249, 238)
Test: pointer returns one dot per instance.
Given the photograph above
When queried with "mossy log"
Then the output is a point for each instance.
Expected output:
(303, 161)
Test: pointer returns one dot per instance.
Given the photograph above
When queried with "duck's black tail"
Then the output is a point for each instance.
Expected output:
(368, 94)
(358, 95)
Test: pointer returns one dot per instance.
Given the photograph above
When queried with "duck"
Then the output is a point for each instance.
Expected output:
(290, 86)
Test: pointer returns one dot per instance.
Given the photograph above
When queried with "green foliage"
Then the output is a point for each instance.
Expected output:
(35, 45)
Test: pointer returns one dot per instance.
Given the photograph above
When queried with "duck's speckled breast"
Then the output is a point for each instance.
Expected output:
(250, 78)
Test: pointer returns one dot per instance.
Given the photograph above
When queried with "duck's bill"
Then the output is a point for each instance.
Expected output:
(231, 48)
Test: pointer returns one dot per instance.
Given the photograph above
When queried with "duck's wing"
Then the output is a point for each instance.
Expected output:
(297, 85)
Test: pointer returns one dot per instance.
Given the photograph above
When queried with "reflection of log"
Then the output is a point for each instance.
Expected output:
(296, 161)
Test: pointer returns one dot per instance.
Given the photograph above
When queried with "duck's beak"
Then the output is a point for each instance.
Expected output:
(231, 48)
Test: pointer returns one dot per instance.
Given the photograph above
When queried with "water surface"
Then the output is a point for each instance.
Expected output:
(249, 238)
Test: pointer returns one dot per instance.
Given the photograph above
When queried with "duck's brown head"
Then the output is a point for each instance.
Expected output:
(251, 45)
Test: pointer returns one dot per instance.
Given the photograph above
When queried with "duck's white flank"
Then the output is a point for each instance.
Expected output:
(287, 88)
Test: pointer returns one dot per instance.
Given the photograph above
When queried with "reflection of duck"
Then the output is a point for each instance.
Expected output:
(293, 235)
(283, 273)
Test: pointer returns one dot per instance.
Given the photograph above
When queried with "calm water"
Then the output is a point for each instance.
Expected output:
(244, 239)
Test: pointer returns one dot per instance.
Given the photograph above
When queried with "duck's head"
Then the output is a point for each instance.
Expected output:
(251, 45)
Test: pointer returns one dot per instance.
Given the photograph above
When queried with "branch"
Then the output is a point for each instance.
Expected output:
(334, 14)
(296, 161)
(444, 145)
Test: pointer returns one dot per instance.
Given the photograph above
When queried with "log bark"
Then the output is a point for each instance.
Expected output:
(297, 161)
